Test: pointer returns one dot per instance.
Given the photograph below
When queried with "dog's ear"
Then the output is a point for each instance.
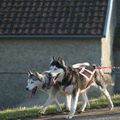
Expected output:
(38, 75)
(59, 58)
(61, 61)
(30, 73)
(52, 59)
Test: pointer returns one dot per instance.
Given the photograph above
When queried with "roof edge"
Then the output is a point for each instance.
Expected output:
(51, 36)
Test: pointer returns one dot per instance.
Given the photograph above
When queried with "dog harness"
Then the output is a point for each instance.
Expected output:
(47, 83)
(91, 73)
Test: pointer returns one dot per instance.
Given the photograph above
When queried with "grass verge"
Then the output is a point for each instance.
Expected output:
(21, 113)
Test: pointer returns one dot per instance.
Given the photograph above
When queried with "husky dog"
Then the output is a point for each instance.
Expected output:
(80, 78)
(43, 81)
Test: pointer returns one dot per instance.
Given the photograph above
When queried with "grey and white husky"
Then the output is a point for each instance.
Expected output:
(43, 81)
(80, 78)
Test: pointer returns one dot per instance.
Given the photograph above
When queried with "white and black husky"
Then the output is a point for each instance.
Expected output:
(80, 78)
(43, 81)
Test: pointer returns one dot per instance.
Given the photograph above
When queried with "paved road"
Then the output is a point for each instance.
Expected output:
(96, 114)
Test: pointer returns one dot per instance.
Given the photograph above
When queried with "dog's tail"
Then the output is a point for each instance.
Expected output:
(107, 78)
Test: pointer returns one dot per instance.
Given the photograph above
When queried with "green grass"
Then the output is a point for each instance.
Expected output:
(102, 102)
(21, 113)
(18, 113)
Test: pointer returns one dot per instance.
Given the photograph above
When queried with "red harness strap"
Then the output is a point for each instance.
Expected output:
(103, 67)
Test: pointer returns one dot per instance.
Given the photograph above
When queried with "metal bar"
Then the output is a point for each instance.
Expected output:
(108, 17)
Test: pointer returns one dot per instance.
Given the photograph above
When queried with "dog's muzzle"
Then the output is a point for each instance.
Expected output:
(34, 90)
(26, 88)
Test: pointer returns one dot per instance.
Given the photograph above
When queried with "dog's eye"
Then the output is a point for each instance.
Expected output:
(32, 82)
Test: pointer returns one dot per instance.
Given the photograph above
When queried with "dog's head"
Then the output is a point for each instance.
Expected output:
(35, 81)
(57, 69)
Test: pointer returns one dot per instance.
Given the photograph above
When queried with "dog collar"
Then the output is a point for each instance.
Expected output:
(64, 88)
(47, 82)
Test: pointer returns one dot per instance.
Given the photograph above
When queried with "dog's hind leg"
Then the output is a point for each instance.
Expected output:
(74, 101)
(100, 82)
(85, 102)
(51, 99)
(107, 95)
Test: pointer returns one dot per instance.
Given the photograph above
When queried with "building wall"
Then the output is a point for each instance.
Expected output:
(116, 52)
(116, 73)
(20, 55)
(118, 11)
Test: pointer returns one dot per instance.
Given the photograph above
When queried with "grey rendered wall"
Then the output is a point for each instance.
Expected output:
(21, 55)
(118, 11)
(117, 53)
(117, 71)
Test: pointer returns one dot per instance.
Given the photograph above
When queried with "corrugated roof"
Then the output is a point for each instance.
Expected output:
(52, 17)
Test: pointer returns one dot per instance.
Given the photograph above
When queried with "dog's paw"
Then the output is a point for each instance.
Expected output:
(42, 111)
(59, 109)
(80, 111)
(70, 116)
(65, 109)
(111, 106)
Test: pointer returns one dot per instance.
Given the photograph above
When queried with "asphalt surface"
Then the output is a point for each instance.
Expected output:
(96, 114)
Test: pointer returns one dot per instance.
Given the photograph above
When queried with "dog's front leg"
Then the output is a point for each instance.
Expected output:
(67, 103)
(48, 102)
(59, 109)
(51, 99)
(54, 93)
(74, 101)
(85, 101)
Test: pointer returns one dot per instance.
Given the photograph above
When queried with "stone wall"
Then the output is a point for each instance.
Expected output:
(20, 55)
